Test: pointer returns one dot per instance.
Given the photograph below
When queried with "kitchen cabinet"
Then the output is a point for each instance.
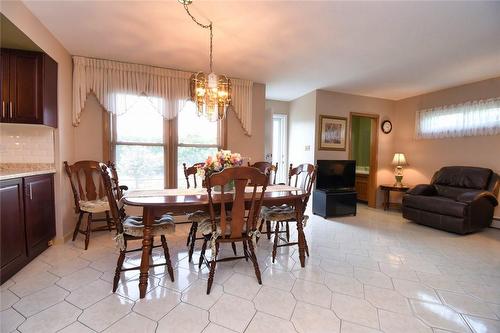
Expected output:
(361, 185)
(38, 211)
(13, 238)
(27, 220)
(28, 88)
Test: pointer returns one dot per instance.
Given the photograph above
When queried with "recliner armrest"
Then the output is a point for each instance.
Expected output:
(423, 189)
(471, 196)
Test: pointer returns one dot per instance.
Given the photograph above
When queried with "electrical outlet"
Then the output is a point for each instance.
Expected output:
(307, 148)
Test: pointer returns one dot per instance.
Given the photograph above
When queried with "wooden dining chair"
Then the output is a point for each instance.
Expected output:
(265, 167)
(89, 196)
(234, 223)
(263, 222)
(303, 177)
(198, 216)
(131, 228)
(117, 188)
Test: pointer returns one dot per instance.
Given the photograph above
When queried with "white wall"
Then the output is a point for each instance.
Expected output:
(273, 107)
(302, 129)
(18, 14)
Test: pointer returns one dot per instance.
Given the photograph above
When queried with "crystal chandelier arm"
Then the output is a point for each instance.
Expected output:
(204, 26)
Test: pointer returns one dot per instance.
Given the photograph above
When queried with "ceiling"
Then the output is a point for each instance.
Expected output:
(389, 50)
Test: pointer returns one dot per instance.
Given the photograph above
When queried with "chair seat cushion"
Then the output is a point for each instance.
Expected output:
(278, 213)
(94, 206)
(134, 226)
(198, 216)
(436, 204)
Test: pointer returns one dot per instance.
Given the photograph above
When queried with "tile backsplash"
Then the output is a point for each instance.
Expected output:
(26, 143)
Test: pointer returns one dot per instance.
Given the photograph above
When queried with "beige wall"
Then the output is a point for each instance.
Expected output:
(237, 141)
(18, 14)
(302, 129)
(427, 156)
(89, 134)
(340, 104)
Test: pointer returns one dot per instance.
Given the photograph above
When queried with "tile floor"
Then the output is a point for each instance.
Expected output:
(371, 273)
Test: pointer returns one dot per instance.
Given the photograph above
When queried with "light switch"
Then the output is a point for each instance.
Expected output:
(307, 148)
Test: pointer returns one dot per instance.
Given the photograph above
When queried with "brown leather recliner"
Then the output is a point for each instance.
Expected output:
(459, 199)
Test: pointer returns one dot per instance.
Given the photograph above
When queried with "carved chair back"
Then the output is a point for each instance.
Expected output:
(113, 173)
(111, 195)
(266, 167)
(86, 181)
(233, 204)
(306, 174)
(191, 171)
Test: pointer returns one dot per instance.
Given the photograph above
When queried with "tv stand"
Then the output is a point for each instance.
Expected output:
(334, 202)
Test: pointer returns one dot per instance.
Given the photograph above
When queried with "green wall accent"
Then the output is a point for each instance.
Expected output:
(361, 136)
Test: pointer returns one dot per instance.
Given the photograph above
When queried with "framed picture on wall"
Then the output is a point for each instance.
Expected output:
(332, 133)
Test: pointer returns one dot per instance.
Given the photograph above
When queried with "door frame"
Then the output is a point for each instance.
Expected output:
(372, 178)
(284, 127)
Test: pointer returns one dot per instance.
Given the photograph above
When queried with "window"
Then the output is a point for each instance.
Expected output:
(468, 119)
(139, 142)
(141, 148)
(197, 138)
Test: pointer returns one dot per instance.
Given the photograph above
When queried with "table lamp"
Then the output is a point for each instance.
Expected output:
(399, 161)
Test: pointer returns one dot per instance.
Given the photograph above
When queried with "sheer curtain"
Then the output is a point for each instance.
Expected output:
(112, 81)
(473, 118)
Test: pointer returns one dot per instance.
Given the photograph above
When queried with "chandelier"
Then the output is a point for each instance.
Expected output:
(210, 92)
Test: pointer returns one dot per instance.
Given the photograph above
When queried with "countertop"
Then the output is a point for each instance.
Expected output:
(11, 174)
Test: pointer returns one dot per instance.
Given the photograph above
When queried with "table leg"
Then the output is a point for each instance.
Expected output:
(148, 217)
(300, 232)
(386, 199)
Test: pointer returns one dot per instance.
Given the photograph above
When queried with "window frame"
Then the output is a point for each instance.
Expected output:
(170, 144)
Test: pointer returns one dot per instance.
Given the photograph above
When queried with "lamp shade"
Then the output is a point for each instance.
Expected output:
(399, 160)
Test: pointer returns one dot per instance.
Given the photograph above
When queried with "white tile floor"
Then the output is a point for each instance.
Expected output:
(371, 273)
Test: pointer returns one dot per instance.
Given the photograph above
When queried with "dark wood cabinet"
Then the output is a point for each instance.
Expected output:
(38, 210)
(361, 185)
(27, 220)
(13, 238)
(29, 88)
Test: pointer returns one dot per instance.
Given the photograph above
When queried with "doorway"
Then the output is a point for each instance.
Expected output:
(280, 146)
(363, 147)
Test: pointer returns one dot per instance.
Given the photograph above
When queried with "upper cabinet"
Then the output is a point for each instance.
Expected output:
(28, 88)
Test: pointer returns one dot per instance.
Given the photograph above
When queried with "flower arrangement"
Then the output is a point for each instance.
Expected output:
(223, 159)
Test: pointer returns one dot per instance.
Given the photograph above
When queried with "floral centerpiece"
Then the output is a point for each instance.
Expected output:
(223, 159)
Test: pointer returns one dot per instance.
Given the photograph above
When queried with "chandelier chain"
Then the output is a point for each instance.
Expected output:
(204, 26)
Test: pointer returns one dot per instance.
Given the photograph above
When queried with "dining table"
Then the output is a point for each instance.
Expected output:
(184, 201)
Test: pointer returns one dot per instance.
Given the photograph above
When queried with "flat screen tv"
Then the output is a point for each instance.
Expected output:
(336, 174)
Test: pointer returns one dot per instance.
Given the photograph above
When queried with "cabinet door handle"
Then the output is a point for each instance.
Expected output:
(3, 109)
(10, 109)
(31, 192)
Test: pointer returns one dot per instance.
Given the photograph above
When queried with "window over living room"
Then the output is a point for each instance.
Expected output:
(149, 150)
(468, 119)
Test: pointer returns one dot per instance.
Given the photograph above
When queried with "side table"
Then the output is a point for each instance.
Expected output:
(387, 193)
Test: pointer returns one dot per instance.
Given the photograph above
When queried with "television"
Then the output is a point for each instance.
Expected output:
(336, 174)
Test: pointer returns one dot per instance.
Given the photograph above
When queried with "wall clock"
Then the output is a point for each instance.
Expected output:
(386, 126)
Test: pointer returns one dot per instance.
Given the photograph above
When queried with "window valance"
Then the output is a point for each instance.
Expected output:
(481, 117)
(111, 80)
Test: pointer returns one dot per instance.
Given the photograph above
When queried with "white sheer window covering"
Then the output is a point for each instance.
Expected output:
(472, 118)
(112, 80)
